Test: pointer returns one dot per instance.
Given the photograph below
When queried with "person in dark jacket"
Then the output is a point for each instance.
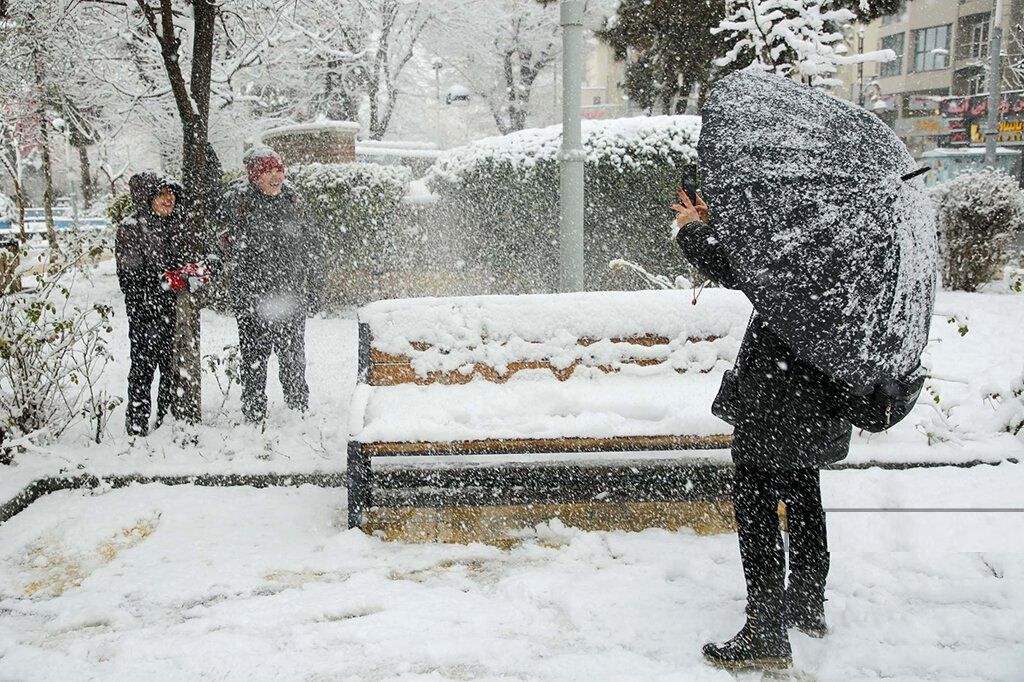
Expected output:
(788, 419)
(278, 256)
(147, 248)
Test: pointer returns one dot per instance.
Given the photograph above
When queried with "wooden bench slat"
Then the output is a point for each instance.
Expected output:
(549, 445)
(398, 373)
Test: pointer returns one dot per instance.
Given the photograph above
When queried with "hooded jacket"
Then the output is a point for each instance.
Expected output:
(147, 245)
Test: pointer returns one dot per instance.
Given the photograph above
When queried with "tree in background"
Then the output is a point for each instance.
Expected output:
(792, 38)
(501, 49)
(38, 75)
(668, 47)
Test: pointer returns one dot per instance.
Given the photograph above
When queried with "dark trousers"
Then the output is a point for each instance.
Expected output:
(150, 337)
(756, 496)
(257, 339)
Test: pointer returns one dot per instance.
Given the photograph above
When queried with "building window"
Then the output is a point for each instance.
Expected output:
(976, 84)
(895, 67)
(931, 48)
(897, 17)
(973, 36)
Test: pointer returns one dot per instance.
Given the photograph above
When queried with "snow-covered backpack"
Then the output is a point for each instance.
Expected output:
(886, 403)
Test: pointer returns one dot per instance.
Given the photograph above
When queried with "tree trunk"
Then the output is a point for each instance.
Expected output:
(195, 128)
(44, 144)
(19, 197)
(86, 175)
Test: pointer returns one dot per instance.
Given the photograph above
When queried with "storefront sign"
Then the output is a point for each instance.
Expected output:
(925, 125)
(967, 118)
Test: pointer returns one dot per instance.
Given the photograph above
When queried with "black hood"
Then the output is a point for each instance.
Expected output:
(146, 185)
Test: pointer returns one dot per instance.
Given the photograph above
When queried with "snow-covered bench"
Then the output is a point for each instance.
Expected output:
(560, 373)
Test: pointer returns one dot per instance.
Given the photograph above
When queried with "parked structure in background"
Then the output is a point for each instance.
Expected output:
(935, 93)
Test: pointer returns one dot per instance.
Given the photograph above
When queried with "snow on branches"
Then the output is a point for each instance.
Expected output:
(792, 38)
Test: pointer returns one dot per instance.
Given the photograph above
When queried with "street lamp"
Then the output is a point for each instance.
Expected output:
(436, 64)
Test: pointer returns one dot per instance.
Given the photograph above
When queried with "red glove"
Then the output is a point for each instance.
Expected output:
(173, 281)
(196, 274)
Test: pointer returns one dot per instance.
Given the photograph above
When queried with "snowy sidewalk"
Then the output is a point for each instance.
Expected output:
(189, 583)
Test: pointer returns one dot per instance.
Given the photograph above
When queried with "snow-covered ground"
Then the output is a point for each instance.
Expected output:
(198, 583)
(186, 583)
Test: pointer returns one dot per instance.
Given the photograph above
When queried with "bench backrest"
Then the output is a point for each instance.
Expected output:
(493, 338)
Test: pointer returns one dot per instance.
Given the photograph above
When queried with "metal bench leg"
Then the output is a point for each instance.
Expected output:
(358, 484)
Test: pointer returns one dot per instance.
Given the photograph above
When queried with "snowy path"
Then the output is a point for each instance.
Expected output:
(240, 584)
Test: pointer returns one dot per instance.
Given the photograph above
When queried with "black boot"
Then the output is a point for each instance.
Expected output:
(806, 615)
(760, 646)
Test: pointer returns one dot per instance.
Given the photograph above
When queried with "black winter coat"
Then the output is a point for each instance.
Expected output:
(787, 413)
(278, 253)
(146, 246)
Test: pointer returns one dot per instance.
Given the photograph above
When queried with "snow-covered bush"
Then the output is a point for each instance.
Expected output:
(53, 351)
(499, 197)
(980, 213)
(357, 204)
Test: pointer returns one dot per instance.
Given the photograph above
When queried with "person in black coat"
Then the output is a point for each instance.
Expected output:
(147, 247)
(789, 421)
(278, 256)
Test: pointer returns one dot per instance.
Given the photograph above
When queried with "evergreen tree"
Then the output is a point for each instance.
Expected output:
(669, 47)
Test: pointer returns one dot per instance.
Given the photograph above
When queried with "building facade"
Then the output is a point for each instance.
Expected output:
(934, 94)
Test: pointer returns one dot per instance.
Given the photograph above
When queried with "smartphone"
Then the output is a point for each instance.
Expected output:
(691, 182)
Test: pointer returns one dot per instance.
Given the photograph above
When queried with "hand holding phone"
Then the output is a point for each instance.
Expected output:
(691, 182)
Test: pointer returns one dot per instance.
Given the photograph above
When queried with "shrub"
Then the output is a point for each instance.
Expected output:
(980, 214)
(500, 198)
(357, 204)
(53, 350)
(120, 208)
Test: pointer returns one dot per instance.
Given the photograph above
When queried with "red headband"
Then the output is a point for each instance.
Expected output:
(260, 165)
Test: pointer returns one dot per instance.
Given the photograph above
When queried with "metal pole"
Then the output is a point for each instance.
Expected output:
(437, 105)
(994, 81)
(860, 67)
(570, 241)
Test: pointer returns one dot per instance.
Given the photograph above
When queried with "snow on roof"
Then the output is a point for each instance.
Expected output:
(404, 153)
(311, 127)
(628, 141)
(395, 144)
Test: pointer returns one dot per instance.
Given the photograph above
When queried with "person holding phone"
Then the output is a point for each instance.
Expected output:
(788, 421)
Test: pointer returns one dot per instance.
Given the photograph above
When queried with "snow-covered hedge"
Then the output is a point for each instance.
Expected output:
(980, 214)
(357, 203)
(352, 198)
(502, 194)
